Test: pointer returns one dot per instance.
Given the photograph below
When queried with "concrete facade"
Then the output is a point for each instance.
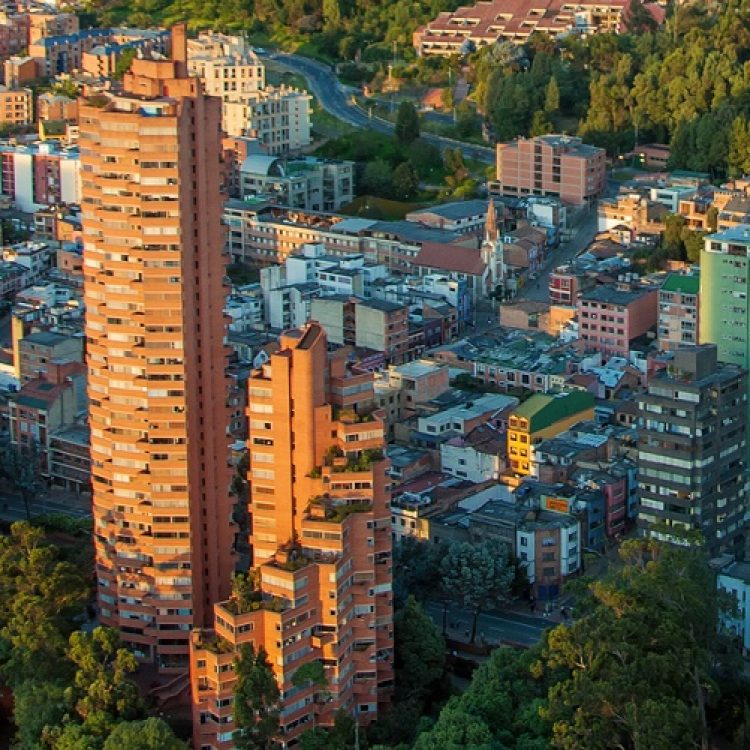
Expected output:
(691, 452)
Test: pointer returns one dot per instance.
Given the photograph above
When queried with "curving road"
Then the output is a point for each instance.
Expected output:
(333, 97)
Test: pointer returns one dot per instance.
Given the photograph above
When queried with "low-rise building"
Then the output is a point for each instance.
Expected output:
(371, 324)
(488, 22)
(432, 430)
(734, 579)
(70, 458)
(40, 174)
(543, 415)
(39, 352)
(51, 106)
(306, 182)
(462, 217)
(44, 406)
(279, 117)
(16, 106)
(18, 70)
(612, 316)
(477, 457)
(402, 389)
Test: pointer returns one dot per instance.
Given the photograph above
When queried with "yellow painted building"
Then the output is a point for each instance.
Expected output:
(543, 415)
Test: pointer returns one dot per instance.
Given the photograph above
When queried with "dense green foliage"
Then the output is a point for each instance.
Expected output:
(256, 700)
(685, 83)
(72, 688)
(644, 667)
(341, 27)
(477, 577)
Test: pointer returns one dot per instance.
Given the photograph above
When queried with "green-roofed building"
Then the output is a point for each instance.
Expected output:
(678, 311)
(543, 415)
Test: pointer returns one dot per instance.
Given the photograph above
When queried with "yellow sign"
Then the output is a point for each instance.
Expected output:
(556, 504)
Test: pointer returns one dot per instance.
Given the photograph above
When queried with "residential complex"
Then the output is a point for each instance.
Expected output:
(691, 451)
(724, 288)
(155, 328)
(558, 165)
(490, 21)
(321, 546)
(278, 117)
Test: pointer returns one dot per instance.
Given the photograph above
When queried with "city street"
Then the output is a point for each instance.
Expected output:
(584, 233)
(336, 100)
(12, 507)
(512, 628)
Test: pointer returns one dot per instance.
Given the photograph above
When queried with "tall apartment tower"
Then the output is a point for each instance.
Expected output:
(155, 328)
(691, 451)
(321, 540)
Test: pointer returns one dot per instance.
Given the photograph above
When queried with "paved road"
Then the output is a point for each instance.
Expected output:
(336, 100)
(13, 509)
(502, 627)
(583, 234)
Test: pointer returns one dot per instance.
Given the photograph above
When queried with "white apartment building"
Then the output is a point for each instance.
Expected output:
(306, 182)
(278, 116)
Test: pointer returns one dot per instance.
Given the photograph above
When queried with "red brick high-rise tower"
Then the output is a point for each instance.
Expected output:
(155, 328)
(321, 538)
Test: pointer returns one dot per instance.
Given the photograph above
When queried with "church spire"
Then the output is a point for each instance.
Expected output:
(490, 226)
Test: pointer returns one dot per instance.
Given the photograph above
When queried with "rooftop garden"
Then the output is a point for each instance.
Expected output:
(362, 462)
(247, 595)
(351, 415)
(214, 643)
(291, 557)
(324, 508)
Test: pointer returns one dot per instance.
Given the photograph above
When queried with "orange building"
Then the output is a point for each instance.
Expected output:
(321, 543)
(155, 328)
(16, 106)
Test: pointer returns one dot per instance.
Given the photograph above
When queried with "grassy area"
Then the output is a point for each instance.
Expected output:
(370, 207)
(299, 44)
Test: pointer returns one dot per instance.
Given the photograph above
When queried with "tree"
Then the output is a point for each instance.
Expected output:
(420, 652)
(477, 576)
(552, 96)
(103, 693)
(540, 125)
(738, 160)
(500, 708)
(640, 666)
(407, 123)
(378, 179)
(312, 674)
(20, 465)
(123, 63)
(414, 566)
(405, 181)
(256, 700)
(425, 157)
(40, 595)
(147, 734)
(331, 15)
(37, 707)
(712, 218)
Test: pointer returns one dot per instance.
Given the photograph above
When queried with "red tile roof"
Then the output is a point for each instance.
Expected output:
(454, 258)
